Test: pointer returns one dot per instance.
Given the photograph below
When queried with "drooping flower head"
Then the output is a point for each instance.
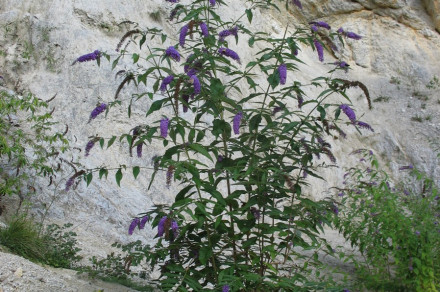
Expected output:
(319, 49)
(297, 3)
(352, 35)
(175, 228)
(182, 36)
(204, 29)
(161, 226)
(322, 24)
(144, 221)
(348, 112)
(237, 122)
(69, 183)
(88, 57)
(170, 172)
(173, 53)
(164, 127)
(139, 150)
(133, 225)
(364, 125)
(282, 71)
(89, 146)
(97, 111)
(196, 83)
(227, 32)
(229, 53)
(165, 82)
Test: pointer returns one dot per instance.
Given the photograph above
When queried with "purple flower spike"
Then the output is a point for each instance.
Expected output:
(352, 35)
(89, 147)
(212, 2)
(227, 32)
(282, 70)
(173, 53)
(204, 29)
(229, 53)
(172, 1)
(182, 36)
(319, 49)
(314, 28)
(139, 150)
(417, 233)
(322, 24)
(225, 288)
(161, 226)
(348, 112)
(364, 125)
(297, 3)
(97, 111)
(144, 221)
(164, 127)
(133, 225)
(196, 83)
(88, 57)
(256, 213)
(69, 183)
(340, 30)
(175, 228)
(236, 123)
(165, 82)
(406, 167)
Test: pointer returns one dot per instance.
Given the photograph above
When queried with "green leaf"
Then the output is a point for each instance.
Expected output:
(135, 58)
(111, 141)
(103, 172)
(156, 106)
(191, 135)
(204, 254)
(164, 38)
(142, 41)
(274, 80)
(254, 122)
(118, 177)
(321, 110)
(200, 136)
(136, 171)
(201, 149)
(101, 143)
(249, 15)
(89, 178)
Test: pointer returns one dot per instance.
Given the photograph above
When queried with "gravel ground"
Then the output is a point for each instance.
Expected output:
(19, 274)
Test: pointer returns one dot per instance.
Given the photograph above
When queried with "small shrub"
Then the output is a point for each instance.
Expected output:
(395, 228)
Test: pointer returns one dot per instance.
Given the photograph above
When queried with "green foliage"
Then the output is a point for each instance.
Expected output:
(395, 228)
(242, 216)
(55, 247)
(29, 147)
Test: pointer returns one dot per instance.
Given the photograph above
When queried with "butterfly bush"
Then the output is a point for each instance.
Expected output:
(236, 165)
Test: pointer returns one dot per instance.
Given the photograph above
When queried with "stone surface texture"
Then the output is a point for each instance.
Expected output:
(397, 56)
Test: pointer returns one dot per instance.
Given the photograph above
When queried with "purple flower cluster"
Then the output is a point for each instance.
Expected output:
(229, 53)
(172, 1)
(341, 64)
(97, 111)
(143, 222)
(175, 228)
(165, 82)
(204, 29)
(69, 183)
(319, 49)
(161, 226)
(282, 71)
(89, 147)
(225, 288)
(297, 3)
(173, 53)
(406, 167)
(133, 225)
(212, 2)
(227, 32)
(236, 123)
(364, 125)
(196, 83)
(348, 112)
(164, 127)
(349, 34)
(88, 57)
(256, 213)
(139, 150)
(322, 24)
(183, 32)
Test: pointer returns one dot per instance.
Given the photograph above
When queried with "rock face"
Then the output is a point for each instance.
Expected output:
(397, 56)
